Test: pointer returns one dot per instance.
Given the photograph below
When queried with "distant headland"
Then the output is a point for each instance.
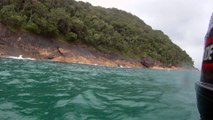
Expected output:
(77, 32)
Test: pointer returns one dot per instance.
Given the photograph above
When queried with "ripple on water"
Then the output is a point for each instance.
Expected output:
(4, 73)
(13, 115)
(31, 81)
(62, 95)
(107, 97)
(29, 111)
(80, 100)
(23, 94)
(7, 106)
(130, 103)
(62, 103)
(14, 81)
(152, 94)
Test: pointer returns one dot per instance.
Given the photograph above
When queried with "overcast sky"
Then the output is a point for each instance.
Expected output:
(184, 21)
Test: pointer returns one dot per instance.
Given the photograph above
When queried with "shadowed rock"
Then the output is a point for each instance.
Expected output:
(147, 62)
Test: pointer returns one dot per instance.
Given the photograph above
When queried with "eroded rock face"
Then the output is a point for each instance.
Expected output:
(27, 44)
(38, 47)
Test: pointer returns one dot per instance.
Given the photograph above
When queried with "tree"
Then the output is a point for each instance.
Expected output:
(10, 16)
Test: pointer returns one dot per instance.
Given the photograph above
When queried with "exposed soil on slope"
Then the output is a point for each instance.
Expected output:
(34, 46)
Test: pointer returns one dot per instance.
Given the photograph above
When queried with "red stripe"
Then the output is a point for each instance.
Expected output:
(207, 66)
(209, 41)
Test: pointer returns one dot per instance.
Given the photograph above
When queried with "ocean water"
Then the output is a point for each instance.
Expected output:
(39, 90)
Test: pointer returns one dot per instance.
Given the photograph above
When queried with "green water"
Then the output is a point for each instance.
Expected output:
(36, 90)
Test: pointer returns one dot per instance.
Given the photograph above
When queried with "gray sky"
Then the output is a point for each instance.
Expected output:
(184, 21)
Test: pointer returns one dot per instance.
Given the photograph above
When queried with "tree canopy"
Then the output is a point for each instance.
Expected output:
(108, 30)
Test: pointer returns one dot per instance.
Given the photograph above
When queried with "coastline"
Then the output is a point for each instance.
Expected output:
(118, 63)
(42, 48)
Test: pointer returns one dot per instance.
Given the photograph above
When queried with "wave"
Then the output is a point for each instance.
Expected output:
(20, 57)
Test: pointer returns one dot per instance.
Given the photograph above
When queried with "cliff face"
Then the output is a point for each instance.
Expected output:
(17, 43)
(38, 47)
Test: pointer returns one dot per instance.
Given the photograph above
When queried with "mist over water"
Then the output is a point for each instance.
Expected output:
(38, 90)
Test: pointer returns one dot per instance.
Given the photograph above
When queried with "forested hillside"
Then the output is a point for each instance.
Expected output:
(109, 30)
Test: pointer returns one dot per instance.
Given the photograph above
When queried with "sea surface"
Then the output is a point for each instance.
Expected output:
(42, 90)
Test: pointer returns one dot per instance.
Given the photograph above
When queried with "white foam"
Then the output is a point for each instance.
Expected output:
(20, 57)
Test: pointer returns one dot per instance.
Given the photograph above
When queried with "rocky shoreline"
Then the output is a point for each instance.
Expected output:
(33, 46)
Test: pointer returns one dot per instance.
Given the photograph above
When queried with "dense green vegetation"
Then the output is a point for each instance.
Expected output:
(108, 30)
